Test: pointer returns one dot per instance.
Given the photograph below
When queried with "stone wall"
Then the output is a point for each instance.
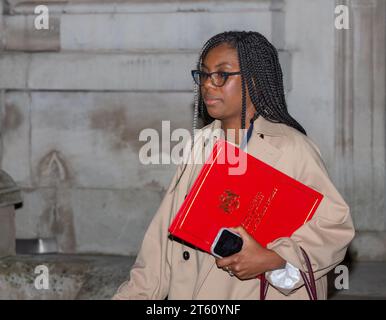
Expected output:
(360, 107)
(74, 99)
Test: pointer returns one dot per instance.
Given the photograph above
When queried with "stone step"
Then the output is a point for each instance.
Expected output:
(98, 277)
(367, 280)
(70, 277)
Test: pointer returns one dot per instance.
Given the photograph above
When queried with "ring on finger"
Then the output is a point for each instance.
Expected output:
(227, 269)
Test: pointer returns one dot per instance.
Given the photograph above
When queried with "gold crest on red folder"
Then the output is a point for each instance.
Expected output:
(229, 201)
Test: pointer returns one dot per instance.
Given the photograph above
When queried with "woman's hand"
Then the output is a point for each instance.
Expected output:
(252, 260)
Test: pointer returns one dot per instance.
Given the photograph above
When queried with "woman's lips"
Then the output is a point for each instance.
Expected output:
(211, 101)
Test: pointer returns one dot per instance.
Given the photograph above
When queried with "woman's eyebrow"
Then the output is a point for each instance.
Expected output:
(217, 65)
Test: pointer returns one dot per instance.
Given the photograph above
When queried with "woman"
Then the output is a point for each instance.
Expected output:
(239, 85)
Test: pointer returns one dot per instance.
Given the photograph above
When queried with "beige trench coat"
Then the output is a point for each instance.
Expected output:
(161, 271)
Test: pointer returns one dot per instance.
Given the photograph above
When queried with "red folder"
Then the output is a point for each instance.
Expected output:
(266, 202)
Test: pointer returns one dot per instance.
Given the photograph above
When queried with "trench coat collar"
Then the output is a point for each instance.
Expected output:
(260, 126)
(259, 148)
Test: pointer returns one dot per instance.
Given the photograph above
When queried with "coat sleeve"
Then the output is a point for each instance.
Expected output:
(150, 274)
(326, 237)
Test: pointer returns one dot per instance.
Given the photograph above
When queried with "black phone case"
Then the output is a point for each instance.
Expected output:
(227, 244)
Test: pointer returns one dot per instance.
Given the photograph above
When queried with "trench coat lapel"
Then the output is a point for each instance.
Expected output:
(261, 150)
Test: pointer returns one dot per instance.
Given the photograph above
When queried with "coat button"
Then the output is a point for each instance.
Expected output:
(186, 255)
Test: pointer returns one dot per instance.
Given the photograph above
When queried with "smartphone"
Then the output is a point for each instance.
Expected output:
(226, 243)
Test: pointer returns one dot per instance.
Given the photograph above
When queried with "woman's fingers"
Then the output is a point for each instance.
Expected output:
(227, 261)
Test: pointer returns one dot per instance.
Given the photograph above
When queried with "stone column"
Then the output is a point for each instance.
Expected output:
(9, 197)
(360, 123)
(1, 26)
(7, 231)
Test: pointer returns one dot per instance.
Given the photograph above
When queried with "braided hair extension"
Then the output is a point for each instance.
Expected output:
(260, 73)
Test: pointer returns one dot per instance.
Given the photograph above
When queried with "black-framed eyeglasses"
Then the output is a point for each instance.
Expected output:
(217, 78)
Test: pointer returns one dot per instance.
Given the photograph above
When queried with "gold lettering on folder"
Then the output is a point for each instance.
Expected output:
(256, 212)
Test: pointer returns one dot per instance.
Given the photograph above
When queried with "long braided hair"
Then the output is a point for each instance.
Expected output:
(260, 73)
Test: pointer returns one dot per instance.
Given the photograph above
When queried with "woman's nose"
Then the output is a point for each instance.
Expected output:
(208, 83)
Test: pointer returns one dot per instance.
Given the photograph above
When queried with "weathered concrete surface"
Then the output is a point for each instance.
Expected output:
(130, 25)
(102, 129)
(72, 71)
(121, 216)
(80, 71)
(367, 281)
(312, 104)
(354, 99)
(20, 34)
(369, 114)
(143, 6)
(28, 218)
(134, 32)
(369, 246)
(13, 71)
(70, 277)
(78, 217)
(1, 26)
(85, 277)
(15, 129)
(79, 166)
(360, 124)
(91, 137)
(7, 231)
